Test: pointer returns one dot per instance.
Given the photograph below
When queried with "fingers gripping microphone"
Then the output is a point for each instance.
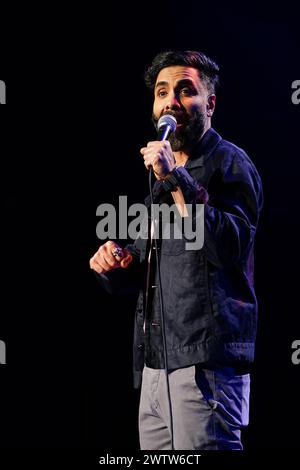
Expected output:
(165, 126)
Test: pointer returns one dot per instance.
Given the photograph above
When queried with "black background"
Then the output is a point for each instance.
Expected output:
(77, 114)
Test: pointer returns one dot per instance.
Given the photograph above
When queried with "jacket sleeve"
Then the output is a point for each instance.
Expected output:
(232, 213)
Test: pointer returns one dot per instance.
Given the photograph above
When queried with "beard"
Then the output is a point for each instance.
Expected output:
(186, 137)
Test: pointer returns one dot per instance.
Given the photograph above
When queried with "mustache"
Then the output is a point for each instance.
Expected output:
(181, 117)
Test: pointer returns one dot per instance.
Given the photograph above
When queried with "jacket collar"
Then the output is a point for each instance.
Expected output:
(203, 149)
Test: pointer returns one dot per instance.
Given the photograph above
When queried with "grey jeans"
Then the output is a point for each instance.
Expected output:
(209, 409)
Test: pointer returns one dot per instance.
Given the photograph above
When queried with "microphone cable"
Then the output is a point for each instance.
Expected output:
(161, 307)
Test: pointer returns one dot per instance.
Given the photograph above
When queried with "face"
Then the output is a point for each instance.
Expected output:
(180, 91)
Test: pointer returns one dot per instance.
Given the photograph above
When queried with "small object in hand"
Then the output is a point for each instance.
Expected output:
(117, 252)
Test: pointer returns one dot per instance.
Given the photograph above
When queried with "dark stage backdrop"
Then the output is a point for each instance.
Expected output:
(76, 116)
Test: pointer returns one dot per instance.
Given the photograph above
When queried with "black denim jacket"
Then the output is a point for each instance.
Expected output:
(210, 308)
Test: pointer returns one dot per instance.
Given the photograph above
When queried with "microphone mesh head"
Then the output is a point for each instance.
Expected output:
(167, 120)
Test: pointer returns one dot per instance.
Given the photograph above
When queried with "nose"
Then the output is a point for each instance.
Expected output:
(173, 102)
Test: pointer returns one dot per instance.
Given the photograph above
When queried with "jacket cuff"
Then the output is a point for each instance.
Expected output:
(192, 191)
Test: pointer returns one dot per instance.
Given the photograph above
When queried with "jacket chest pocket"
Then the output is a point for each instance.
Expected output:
(173, 247)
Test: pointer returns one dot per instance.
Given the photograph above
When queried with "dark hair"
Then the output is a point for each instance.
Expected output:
(208, 69)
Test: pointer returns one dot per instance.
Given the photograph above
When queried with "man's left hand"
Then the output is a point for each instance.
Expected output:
(159, 155)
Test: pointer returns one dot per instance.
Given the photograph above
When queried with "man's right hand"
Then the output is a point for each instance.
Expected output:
(104, 260)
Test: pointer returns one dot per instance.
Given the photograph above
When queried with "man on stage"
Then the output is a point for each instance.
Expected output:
(195, 324)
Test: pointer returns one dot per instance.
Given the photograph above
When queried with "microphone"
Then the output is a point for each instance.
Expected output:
(165, 126)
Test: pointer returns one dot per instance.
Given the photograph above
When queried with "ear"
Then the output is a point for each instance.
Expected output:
(210, 106)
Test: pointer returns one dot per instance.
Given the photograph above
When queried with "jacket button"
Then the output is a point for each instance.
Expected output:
(140, 346)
